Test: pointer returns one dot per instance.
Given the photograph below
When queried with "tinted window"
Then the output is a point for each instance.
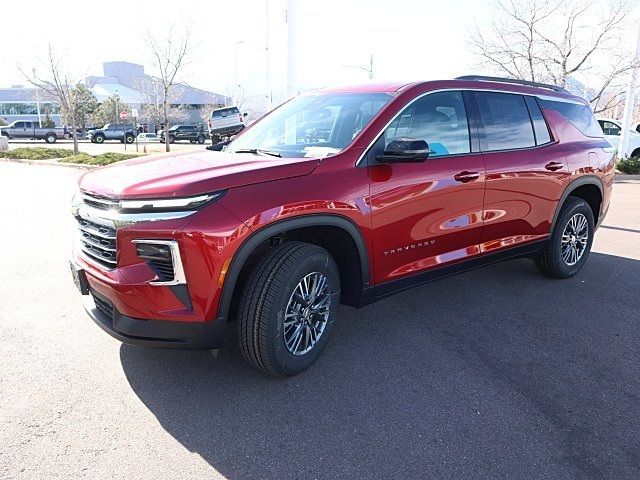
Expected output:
(439, 119)
(578, 114)
(540, 128)
(609, 128)
(506, 121)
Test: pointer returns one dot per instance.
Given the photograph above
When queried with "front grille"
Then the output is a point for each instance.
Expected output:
(103, 306)
(102, 203)
(98, 242)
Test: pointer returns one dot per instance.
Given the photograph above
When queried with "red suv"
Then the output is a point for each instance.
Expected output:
(339, 196)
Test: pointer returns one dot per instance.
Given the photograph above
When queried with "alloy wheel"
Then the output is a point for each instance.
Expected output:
(307, 313)
(574, 239)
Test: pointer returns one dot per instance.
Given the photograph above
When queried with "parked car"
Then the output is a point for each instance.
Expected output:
(30, 130)
(148, 137)
(113, 131)
(416, 182)
(185, 132)
(225, 122)
(612, 130)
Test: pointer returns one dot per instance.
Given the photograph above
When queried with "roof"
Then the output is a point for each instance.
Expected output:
(398, 87)
(23, 94)
(102, 91)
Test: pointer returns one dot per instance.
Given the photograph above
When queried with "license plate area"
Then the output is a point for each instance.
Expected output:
(80, 279)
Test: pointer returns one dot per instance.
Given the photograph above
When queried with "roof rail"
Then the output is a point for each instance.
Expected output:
(513, 80)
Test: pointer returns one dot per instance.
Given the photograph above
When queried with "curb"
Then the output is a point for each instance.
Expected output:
(50, 163)
(622, 177)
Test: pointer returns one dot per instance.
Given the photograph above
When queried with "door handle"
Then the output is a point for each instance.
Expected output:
(553, 166)
(465, 176)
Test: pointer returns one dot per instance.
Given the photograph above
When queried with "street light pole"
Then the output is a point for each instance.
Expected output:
(235, 69)
(629, 103)
(37, 101)
(368, 69)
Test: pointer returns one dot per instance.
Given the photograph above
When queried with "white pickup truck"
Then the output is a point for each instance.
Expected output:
(30, 130)
(612, 130)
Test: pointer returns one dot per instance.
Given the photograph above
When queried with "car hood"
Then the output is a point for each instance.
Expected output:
(185, 174)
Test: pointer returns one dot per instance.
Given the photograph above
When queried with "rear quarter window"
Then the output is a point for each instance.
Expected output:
(579, 114)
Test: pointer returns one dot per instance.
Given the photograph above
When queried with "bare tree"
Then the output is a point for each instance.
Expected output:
(58, 84)
(169, 55)
(545, 40)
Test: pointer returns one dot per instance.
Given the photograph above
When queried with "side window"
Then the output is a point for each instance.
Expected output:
(439, 119)
(540, 128)
(609, 128)
(578, 114)
(506, 120)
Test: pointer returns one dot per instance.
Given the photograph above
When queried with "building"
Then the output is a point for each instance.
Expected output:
(22, 103)
(131, 85)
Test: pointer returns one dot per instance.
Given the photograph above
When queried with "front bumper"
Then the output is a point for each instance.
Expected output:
(153, 333)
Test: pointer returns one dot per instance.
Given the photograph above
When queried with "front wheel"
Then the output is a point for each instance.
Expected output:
(288, 308)
(570, 242)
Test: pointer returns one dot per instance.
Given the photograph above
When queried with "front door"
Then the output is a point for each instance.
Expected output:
(427, 214)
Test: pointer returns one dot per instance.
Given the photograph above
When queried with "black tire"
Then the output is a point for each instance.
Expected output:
(550, 259)
(264, 301)
(172, 139)
(129, 138)
(200, 139)
(99, 138)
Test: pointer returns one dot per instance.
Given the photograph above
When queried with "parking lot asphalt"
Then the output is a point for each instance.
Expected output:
(108, 146)
(496, 373)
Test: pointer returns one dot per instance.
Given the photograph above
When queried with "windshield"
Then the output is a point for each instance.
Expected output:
(312, 125)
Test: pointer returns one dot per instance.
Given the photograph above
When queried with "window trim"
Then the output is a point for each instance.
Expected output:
(471, 126)
(365, 152)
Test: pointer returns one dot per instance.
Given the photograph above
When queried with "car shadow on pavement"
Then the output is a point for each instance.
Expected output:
(496, 373)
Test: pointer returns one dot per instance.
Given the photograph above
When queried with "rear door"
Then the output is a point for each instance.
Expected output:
(525, 169)
(427, 214)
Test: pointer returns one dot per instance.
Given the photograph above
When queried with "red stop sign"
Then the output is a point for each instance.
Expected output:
(123, 115)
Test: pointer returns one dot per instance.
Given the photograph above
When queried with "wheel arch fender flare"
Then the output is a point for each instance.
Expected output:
(578, 182)
(268, 231)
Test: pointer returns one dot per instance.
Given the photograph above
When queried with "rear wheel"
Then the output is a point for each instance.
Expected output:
(288, 307)
(570, 242)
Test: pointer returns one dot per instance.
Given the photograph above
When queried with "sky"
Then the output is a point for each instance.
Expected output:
(409, 39)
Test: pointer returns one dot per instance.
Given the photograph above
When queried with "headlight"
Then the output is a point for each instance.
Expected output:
(167, 204)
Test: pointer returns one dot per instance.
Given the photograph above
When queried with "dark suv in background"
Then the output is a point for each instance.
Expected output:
(406, 184)
(185, 132)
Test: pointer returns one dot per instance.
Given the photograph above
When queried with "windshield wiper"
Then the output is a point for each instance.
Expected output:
(258, 151)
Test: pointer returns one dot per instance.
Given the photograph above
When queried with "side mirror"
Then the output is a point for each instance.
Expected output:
(404, 150)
